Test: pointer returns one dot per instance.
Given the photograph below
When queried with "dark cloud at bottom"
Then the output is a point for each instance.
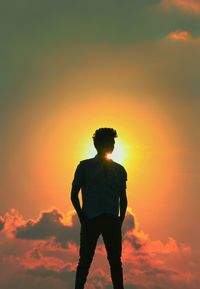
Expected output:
(46, 250)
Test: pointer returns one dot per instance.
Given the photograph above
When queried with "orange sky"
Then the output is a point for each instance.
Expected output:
(53, 146)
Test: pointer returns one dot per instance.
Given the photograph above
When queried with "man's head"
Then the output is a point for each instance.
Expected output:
(103, 139)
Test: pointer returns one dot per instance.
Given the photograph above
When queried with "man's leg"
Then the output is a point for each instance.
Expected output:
(89, 234)
(113, 242)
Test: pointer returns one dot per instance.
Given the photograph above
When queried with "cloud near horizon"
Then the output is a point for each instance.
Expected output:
(47, 249)
(1, 223)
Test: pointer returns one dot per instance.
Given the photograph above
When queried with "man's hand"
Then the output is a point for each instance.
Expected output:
(82, 218)
(76, 203)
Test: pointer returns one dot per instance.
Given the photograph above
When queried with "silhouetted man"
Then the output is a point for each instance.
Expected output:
(103, 183)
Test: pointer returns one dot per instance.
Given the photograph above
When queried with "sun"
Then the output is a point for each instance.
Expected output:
(119, 153)
(109, 156)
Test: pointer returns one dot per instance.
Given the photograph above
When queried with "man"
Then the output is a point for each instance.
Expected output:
(103, 183)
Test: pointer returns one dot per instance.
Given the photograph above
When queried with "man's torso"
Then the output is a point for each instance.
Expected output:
(101, 181)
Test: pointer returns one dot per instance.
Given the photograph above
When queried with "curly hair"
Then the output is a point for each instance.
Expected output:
(102, 135)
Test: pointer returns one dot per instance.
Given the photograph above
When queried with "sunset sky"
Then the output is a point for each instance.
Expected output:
(67, 69)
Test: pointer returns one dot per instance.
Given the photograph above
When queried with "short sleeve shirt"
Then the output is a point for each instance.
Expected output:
(101, 182)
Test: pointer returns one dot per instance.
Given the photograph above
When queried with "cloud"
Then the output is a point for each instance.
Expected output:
(48, 248)
(1, 223)
(41, 271)
(180, 35)
(49, 224)
(188, 6)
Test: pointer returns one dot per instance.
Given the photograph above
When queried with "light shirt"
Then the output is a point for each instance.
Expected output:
(101, 181)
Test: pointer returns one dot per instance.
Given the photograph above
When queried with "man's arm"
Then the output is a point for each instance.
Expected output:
(75, 201)
(76, 186)
(123, 205)
(123, 197)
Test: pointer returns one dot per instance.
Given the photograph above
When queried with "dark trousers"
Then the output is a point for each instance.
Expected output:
(110, 228)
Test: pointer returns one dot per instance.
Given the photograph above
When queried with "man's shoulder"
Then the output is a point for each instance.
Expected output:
(120, 168)
(86, 161)
(91, 161)
(118, 165)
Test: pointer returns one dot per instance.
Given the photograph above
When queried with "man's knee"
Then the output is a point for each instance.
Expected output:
(114, 260)
(85, 261)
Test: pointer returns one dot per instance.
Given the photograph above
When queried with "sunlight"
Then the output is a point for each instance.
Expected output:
(109, 156)
(119, 153)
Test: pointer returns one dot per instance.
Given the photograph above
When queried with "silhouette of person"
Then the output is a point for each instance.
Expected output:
(103, 185)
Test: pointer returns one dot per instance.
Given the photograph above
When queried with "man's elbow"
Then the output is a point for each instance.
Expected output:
(124, 200)
(72, 199)
(74, 192)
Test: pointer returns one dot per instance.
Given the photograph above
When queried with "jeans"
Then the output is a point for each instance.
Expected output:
(110, 228)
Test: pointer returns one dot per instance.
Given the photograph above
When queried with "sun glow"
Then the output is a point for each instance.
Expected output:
(119, 153)
(142, 147)
(109, 156)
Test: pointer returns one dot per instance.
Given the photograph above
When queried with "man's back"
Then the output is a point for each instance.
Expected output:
(101, 181)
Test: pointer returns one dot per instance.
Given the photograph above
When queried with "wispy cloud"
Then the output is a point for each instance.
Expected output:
(182, 36)
(49, 246)
(179, 35)
(189, 6)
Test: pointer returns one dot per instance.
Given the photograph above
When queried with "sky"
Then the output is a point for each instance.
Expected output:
(67, 69)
